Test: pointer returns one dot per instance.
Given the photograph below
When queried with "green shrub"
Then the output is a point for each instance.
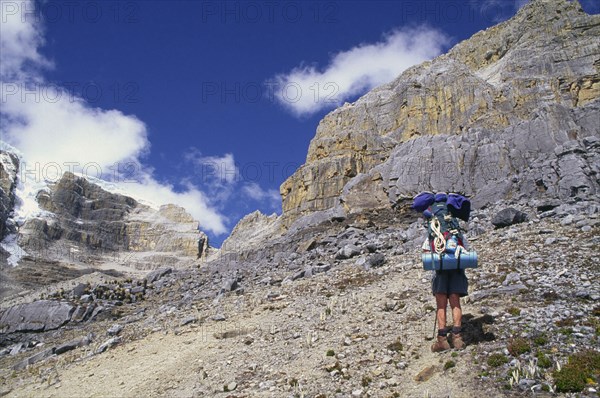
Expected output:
(449, 364)
(569, 379)
(496, 360)
(518, 346)
(330, 353)
(514, 311)
(575, 374)
(541, 339)
(566, 331)
(543, 360)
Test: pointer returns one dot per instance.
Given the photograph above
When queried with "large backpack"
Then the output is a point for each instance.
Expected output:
(448, 224)
(446, 240)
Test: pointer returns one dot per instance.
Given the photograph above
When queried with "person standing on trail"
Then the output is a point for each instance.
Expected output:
(448, 285)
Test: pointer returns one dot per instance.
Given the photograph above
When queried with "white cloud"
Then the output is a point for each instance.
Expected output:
(255, 192)
(495, 11)
(51, 126)
(307, 89)
(225, 181)
(20, 38)
(49, 131)
(213, 169)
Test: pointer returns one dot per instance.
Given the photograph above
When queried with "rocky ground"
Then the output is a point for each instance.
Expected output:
(347, 314)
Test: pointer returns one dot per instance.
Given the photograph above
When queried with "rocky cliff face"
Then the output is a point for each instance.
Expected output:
(512, 111)
(9, 166)
(84, 224)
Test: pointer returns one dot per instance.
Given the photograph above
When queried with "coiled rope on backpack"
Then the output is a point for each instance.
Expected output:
(439, 242)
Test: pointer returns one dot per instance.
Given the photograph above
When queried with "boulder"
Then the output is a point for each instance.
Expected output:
(348, 251)
(108, 344)
(156, 275)
(38, 316)
(507, 217)
(376, 260)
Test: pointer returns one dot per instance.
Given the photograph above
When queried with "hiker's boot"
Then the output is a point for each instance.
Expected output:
(441, 344)
(457, 341)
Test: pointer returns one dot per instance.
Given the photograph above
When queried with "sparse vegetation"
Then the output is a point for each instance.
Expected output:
(496, 360)
(330, 353)
(541, 339)
(582, 368)
(565, 322)
(396, 346)
(514, 311)
(518, 346)
(449, 364)
(543, 360)
(550, 296)
(566, 331)
(366, 380)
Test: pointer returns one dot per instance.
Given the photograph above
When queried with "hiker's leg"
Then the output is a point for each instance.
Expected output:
(456, 310)
(456, 335)
(441, 301)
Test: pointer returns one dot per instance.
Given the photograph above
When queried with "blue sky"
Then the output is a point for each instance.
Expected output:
(209, 104)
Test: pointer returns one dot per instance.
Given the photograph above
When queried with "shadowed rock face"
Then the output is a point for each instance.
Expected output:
(494, 118)
(9, 167)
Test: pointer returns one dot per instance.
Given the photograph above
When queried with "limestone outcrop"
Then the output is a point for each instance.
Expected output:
(9, 167)
(493, 118)
(82, 223)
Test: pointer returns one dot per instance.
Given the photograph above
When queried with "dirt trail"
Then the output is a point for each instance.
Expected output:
(279, 349)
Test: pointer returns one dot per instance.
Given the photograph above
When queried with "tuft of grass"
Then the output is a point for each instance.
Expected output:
(566, 331)
(540, 339)
(449, 364)
(496, 360)
(543, 360)
(395, 346)
(550, 296)
(581, 368)
(366, 380)
(514, 311)
(565, 322)
(518, 346)
(330, 353)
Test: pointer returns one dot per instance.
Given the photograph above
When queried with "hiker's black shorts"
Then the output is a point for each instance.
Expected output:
(450, 282)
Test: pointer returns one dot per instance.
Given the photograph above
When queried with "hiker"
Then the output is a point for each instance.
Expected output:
(448, 285)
